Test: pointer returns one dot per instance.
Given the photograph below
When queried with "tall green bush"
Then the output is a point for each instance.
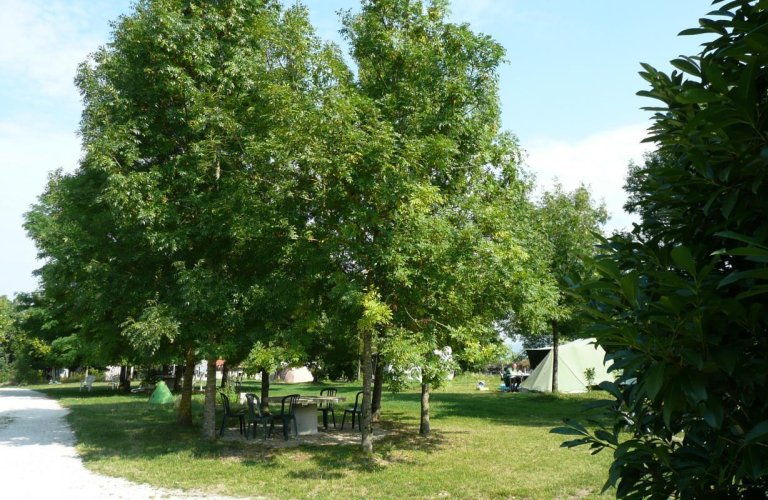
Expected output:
(680, 304)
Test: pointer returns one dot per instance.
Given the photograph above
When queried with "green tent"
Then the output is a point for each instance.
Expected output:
(162, 394)
(574, 358)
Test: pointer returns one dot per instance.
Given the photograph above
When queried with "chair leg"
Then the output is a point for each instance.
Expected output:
(271, 428)
(325, 420)
(264, 424)
(343, 419)
(295, 428)
(223, 422)
(333, 416)
(353, 420)
(248, 430)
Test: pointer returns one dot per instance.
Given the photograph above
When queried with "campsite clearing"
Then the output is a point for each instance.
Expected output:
(485, 445)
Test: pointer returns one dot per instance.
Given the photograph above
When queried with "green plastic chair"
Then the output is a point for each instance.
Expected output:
(256, 416)
(228, 413)
(326, 408)
(356, 410)
(286, 415)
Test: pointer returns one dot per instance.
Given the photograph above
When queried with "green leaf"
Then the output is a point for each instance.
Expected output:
(744, 251)
(713, 413)
(576, 442)
(699, 95)
(566, 431)
(654, 380)
(761, 273)
(740, 237)
(686, 66)
(600, 403)
(693, 385)
(630, 287)
(758, 433)
(693, 31)
(684, 260)
(729, 203)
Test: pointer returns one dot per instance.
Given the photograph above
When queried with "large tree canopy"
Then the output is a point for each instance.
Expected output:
(188, 222)
(440, 210)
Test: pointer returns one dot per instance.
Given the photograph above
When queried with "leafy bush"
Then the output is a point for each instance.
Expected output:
(24, 373)
(589, 375)
(680, 304)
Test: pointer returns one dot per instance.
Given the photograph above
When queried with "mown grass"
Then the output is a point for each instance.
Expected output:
(484, 445)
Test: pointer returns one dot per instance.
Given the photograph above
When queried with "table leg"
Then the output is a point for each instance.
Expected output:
(306, 418)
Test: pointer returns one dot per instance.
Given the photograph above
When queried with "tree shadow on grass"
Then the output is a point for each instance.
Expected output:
(517, 409)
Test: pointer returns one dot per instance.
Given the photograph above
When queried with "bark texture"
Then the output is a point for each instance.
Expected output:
(367, 439)
(424, 429)
(264, 389)
(209, 410)
(185, 407)
(378, 384)
(125, 379)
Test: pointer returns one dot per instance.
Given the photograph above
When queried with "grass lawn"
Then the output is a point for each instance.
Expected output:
(484, 445)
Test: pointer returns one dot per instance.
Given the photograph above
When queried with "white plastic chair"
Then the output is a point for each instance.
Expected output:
(87, 382)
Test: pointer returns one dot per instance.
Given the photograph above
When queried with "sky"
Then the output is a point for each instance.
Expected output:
(567, 90)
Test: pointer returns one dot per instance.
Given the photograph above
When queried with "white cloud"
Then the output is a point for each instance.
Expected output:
(43, 42)
(599, 160)
(27, 154)
(480, 12)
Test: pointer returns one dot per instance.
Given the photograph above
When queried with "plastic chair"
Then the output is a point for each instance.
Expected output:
(286, 415)
(327, 407)
(256, 415)
(228, 413)
(87, 382)
(356, 410)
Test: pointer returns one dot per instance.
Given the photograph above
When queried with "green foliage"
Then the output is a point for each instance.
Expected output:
(589, 375)
(680, 306)
(440, 203)
(570, 224)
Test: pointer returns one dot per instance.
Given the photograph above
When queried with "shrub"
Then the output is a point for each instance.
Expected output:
(680, 304)
(589, 375)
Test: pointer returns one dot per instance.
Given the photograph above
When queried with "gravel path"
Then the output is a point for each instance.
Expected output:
(38, 458)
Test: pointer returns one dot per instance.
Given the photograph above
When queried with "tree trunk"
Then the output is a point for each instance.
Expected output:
(424, 429)
(378, 383)
(264, 389)
(185, 408)
(209, 410)
(555, 357)
(224, 376)
(367, 440)
(125, 379)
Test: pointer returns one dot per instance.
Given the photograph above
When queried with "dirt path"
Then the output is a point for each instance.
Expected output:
(38, 457)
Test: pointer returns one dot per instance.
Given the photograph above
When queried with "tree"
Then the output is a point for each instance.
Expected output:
(187, 228)
(570, 224)
(680, 304)
(436, 196)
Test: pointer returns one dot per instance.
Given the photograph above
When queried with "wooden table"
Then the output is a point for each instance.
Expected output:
(305, 410)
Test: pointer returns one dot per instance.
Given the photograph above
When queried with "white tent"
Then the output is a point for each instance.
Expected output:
(294, 375)
(574, 358)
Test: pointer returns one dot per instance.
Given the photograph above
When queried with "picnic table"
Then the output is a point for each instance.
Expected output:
(515, 377)
(305, 410)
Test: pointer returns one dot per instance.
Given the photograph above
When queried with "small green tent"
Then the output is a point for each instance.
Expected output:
(162, 394)
(574, 358)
